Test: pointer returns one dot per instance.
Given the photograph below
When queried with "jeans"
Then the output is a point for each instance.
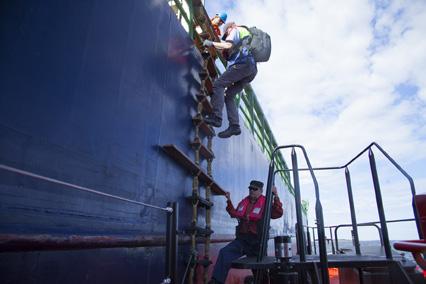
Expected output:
(233, 79)
(232, 251)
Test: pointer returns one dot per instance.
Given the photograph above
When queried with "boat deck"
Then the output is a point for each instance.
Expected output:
(333, 261)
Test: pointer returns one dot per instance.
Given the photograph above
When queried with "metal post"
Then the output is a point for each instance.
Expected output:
(410, 180)
(309, 248)
(379, 231)
(320, 221)
(266, 219)
(318, 213)
(267, 214)
(299, 226)
(352, 209)
(379, 202)
(297, 238)
(172, 242)
(337, 238)
(313, 239)
(416, 217)
(361, 276)
(332, 241)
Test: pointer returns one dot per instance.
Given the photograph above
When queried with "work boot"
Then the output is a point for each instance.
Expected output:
(233, 129)
(213, 120)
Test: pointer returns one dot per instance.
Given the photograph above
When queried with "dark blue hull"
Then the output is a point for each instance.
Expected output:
(89, 92)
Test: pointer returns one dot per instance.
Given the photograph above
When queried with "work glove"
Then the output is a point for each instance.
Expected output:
(207, 42)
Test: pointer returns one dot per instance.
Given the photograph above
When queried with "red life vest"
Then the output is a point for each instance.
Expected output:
(216, 29)
(256, 210)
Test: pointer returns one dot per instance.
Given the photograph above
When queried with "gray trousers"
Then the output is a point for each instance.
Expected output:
(233, 79)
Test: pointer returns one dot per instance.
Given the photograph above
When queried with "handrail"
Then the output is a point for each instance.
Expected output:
(378, 194)
(373, 223)
(397, 166)
(366, 223)
(318, 209)
(335, 234)
(410, 179)
(379, 230)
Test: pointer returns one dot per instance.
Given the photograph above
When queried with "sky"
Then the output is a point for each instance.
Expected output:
(343, 74)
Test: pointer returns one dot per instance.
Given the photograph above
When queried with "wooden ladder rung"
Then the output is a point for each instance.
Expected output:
(199, 231)
(207, 106)
(208, 85)
(202, 202)
(217, 189)
(203, 74)
(205, 128)
(180, 157)
(204, 151)
(188, 164)
(211, 67)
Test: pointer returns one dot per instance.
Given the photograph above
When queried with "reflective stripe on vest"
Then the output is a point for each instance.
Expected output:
(243, 32)
(256, 210)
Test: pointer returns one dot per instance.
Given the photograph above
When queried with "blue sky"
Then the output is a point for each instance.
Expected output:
(345, 74)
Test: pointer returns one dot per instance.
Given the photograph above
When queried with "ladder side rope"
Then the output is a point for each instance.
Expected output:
(208, 211)
(81, 188)
(195, 192)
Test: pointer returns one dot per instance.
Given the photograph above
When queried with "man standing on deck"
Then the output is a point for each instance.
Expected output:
(249, 213)
(240, 71)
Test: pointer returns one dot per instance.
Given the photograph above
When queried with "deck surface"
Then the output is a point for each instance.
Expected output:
(333, 261)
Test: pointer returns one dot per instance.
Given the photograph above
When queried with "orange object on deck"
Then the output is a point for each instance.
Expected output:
(333, 272)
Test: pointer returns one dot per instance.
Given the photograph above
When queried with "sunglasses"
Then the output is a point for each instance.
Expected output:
(253, 188)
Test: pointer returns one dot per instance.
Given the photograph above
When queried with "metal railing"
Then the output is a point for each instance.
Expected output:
(299, 226)
(334, 239)
(377, 191)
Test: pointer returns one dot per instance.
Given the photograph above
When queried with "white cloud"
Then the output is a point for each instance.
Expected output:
(332, 76)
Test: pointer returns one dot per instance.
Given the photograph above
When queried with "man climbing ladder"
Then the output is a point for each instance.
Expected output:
(242, 48)
(240, 71)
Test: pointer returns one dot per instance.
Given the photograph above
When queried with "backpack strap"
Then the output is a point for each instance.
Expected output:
(245, 38)
(244, 32)
(245, 35)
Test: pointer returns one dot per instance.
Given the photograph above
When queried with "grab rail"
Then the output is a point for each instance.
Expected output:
(318, 211)
(335, 240)
(377, 191)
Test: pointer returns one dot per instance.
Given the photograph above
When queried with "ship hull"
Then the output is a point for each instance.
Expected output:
(90, 91)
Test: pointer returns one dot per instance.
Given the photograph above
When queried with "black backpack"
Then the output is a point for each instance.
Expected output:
(260, 44)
